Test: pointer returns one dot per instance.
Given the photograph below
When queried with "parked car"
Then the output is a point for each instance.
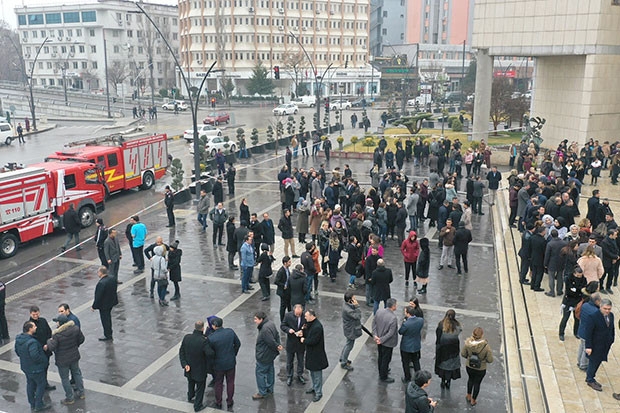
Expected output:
(215, 118)
(358, 103)
(453, 96)
(170, 105)
(214, 143)
(286, 109)
(340, 104)
(6, 133)
(208, 130)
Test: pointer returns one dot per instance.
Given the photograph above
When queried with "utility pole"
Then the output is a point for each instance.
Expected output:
(107, 81)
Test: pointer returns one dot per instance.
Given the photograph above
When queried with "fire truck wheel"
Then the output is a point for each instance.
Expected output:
(147, 180)
(87, 216)
(8, 245)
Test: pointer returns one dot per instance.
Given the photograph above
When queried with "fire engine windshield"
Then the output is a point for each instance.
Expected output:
(91, 176)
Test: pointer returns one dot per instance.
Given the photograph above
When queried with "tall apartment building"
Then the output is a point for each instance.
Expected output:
(68, 41)
(239, 34)
(439, 21)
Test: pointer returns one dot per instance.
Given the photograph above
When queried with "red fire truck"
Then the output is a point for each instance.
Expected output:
(126, 163)
(33, 199)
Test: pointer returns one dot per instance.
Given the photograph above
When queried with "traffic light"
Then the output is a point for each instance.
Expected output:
(276, 72)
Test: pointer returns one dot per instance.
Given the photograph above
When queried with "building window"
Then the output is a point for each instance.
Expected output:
(52, 18)
(78, 32)
(21, 19)
(35, 34)
(117, 49)
(84, 65)
(94, 65)
(91, 32)
(89, 16)
(49, 65)
(129, 33)
(93, 49)
(71, 17)
(81, 48)
(76, 65)
(61, 33)
(63, 49)
(35, 19)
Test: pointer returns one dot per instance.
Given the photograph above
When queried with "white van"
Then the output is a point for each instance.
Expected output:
(305, 101)
(6, 133)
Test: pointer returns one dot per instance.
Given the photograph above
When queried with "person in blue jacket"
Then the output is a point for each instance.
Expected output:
(411, 343)
(33, 362)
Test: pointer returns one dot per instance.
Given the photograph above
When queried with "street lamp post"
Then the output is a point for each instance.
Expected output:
(317, 84)
(107, 80)
(193, 104)
(34, 63)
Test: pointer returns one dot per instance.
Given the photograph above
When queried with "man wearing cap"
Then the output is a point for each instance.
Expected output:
(64, 344)
(169, 202)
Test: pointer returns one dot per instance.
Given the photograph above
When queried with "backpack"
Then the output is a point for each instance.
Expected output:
(475, 362)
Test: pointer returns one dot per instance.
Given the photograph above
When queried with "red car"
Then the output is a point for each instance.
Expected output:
(215, 118)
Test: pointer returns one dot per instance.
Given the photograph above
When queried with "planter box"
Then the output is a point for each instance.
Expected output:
(230, 158)
(352, 155)
(270, 145)
(183, 196)
(284, 141)
(257, 149)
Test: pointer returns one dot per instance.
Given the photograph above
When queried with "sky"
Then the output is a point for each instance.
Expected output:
(7, 7)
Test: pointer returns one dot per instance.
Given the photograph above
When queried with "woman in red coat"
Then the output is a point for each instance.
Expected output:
(410, 248)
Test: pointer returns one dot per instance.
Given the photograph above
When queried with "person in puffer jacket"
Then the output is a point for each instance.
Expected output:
(33, 362)
(410, 248)
(416, 398)
(64, 344)
(160, 273)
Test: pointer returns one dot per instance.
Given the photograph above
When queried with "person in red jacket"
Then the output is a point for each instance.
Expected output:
(410, 248)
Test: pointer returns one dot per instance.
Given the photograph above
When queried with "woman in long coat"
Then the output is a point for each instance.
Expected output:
(447, 349)
(302, 221)
(315, 219)
(174, 268)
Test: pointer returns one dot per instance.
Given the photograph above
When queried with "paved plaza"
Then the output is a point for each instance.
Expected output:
(140, 370)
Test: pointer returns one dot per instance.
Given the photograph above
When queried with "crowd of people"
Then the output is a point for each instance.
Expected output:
(326, 214)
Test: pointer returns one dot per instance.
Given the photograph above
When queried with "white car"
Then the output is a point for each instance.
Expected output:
(340, 104)
(6, 133)
(286, 109)
(208, 130)
(170, 105)
(214, 143)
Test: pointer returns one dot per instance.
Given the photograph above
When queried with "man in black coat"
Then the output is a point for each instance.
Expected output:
(65, 343)
(369, 268)
(268, 347)
(537, 248)
(554, 264)
(610, 258)
(286, 227)
(381, 279)
(105, 300)
(169, 202)
(43, 333)
(282, 282)
(593, 207)
(524, 254)
(113, 254)
(316, 358)
(195, 355)
(255, 226)
(292, 326)
(298, 286)
(72, 224)
(100, 236)
(268, 232)
(218, 191)
(462, 238)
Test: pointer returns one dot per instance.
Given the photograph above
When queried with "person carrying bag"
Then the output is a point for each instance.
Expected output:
(160, 273)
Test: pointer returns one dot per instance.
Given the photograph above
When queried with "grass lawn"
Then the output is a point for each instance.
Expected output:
(393, 134)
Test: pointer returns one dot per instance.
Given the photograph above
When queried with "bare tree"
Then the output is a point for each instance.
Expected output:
(10, 68)
(500, 98)
(294, 65)
(118, 72)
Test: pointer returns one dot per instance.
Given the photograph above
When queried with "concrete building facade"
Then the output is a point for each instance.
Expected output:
(438, 21)
(238, 34)
(576, 46)
(73, 54)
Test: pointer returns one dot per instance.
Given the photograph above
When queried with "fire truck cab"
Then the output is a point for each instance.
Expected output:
(33, 200)
(126, 163)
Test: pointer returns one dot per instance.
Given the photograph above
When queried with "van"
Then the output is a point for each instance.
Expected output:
(6, 133)
(305, 101)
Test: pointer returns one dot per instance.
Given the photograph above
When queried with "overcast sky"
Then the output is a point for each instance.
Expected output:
(7, 7)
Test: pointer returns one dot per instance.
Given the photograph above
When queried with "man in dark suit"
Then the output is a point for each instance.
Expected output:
(105, 300)
(268, 231)
(292, 325)
(282, 281)
(599, 336)
(226, 344)
(194, 354)
(537, 248)
(316, 358)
